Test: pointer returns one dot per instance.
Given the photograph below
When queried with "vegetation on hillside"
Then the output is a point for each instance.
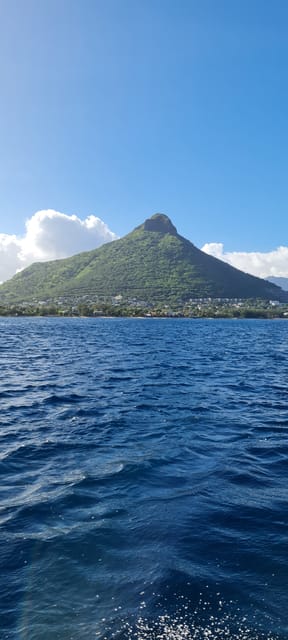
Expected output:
(151, 264)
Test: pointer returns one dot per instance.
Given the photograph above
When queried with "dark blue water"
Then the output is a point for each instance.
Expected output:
(143, 469)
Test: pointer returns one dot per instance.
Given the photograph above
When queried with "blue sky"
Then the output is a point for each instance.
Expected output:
(122, 108)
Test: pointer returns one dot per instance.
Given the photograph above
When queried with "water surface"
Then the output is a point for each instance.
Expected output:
(143, 474)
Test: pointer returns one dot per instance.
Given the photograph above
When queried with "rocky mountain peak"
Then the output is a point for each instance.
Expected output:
(161, 223)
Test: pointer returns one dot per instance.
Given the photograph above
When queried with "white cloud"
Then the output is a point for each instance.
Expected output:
(263, 265)
(10, 248)
(50, 235)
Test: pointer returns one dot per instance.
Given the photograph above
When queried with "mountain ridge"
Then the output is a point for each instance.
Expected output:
(152, 263)
(280, 281)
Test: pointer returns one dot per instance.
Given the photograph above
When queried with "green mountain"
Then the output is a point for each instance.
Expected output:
(153, 263)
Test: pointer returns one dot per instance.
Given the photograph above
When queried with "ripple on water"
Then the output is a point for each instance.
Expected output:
(141, 463)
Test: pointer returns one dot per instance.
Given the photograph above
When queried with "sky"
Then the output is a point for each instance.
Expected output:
(112, 110)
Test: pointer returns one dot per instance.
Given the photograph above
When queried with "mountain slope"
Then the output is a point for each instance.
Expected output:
(153, 263)
(279, 281)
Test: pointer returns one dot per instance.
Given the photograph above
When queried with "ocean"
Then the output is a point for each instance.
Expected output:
(143, 490)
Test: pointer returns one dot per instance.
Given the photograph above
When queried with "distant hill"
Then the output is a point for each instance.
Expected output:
(280, 282)
(153, 263)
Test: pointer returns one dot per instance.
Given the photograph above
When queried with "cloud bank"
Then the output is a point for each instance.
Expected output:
(263, 265)
(50, 235)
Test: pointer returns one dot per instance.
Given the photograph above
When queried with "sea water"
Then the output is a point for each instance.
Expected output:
(143, 469)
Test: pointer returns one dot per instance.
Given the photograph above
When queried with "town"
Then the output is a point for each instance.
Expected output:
(117, 306)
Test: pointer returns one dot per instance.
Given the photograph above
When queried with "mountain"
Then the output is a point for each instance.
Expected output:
(280, 282)
(153, 263)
